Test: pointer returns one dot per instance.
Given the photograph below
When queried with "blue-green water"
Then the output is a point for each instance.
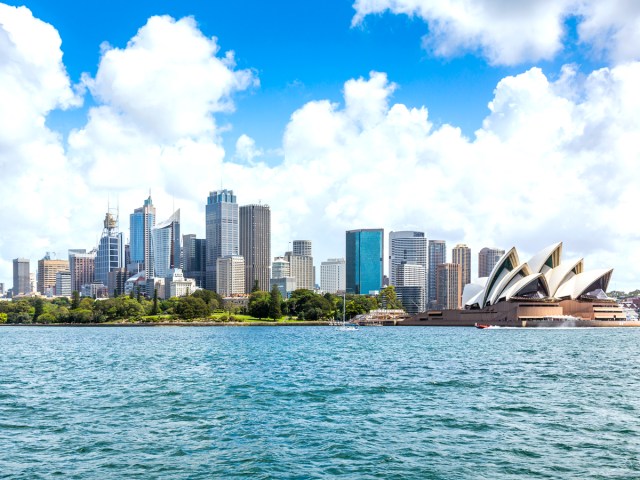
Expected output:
(313, 402)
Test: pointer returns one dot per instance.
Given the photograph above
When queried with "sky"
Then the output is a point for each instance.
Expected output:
(485, 122)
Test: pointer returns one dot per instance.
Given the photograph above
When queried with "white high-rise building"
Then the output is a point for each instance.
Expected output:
(333, 275)
(280, 268)
(176, 285)
(230, 275)
(165, 243)
(301, 264)
(411, 286)
(222, 232)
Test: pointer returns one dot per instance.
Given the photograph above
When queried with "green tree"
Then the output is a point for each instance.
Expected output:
(256, 286)
(3, 317)
(192, 307)
(75, 300)
(46, 318)
(308, 305)
(389, 299)
(210, 298)
(155, 309)
(38, 309)
(275, 301)
(259, 304)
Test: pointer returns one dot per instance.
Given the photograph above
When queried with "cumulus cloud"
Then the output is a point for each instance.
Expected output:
(508, 32)
(553, 159)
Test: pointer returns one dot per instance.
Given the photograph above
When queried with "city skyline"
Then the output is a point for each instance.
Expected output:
(345, 115)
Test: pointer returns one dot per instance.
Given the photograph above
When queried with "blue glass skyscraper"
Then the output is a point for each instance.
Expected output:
(110, 254)
(142, 221)
(364, 260)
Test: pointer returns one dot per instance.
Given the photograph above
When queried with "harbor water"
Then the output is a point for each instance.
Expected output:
(315, 402)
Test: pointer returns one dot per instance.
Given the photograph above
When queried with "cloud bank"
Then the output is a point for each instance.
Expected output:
(512, 32)
(553, 159)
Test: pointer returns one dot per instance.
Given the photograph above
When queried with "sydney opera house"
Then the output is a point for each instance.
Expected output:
(543, 291)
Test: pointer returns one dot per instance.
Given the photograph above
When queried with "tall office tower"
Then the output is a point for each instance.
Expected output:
(410, 286)
(63, 283)
(332, 275)
(461, 254)
(194, 257)
(21, 276)
(230, 275)
(141, 221)
(165, 246)
(47, 269)
(448, 286)
(110, 254)
(82, 267)
(221, 217)
(302, 248)
(487, 259)
(437, 256)
(281, 277)
(301, 266)
(255, 245)
(2, 292)
(364, 257)
(407, 247)
(115, 282)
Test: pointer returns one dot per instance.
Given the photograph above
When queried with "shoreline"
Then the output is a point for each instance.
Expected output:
(175, 324)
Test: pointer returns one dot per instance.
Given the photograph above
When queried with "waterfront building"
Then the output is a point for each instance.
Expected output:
(21, 277)
(94, 290)
(230, 275)
(83, 267)
(222, 232)
(141, 221)
(410, 286)
(165, 246)
(544, 291)
(408, 247)
(364, 260)
(461, 254)
(136, 283)
(333, 275)
(255, 245)
(448, 286)
(176, 285)
(194, 251)
(115, 282)
(487, 259)
(110, 255)
(301, 264)
(437, 256)
(46, 275)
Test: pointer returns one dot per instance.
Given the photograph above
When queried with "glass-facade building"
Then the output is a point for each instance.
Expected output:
(437, 256)
(165, 246)
(110, 254)
(364, 260)
(141, 221)
(222, 231)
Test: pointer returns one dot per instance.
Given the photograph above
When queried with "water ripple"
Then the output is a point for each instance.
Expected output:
(305, 403)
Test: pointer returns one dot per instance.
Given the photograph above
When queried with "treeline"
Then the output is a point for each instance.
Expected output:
(201, 305)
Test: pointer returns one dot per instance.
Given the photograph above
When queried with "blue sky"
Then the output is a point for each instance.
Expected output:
(528, 140)
(300, 51)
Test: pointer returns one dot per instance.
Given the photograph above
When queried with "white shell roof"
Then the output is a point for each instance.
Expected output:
(539, 259)
(522, 283)
(578, 284)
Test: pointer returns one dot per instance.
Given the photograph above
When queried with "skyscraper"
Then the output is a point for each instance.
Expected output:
(461, 254)
(47, 269)
(301, 264)
(141, 221)
(487, 259)
(63, 283)
(332, 275)
(437, 256)
(230, 275)
(194, 258)
(448, 286)
(221, 218)
(110, 254)
(364, 257)
(255, 245)
(408, 247)
(21, 276)
(411, 285)
(83, 268)
(165, 246)
(302, 248)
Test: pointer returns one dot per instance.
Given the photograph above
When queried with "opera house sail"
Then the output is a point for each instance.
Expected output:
(543, 291)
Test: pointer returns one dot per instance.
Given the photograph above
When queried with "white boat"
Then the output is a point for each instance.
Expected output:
(344, 325)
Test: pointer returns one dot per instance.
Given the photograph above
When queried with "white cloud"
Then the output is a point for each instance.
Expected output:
(553, 160)
(511, 32)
